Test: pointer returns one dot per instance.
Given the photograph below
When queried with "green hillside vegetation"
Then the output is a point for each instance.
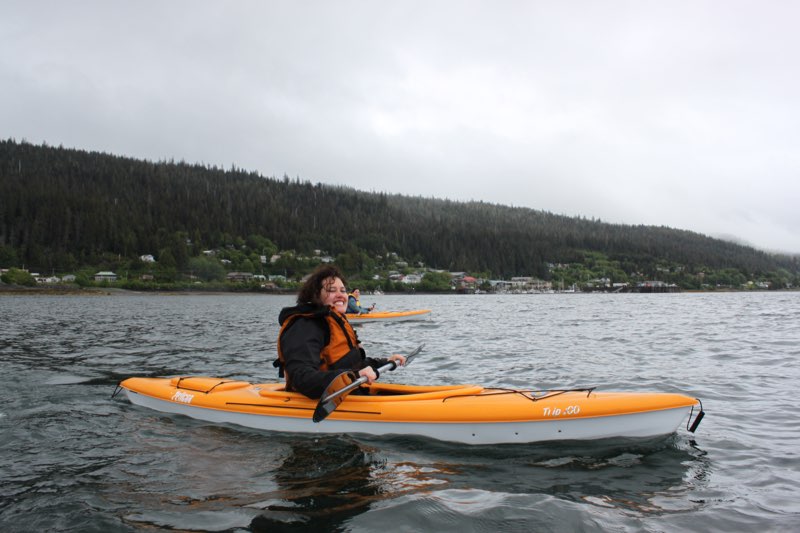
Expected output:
(73, 211)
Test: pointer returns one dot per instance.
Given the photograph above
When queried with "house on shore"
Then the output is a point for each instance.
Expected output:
(242, 277)
(105, 276)
(657, 286)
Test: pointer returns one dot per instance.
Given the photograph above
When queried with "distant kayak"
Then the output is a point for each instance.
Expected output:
(469, 414)
(389, 316)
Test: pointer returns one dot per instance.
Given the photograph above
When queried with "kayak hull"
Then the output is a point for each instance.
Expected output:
(389, 316)
(465, 413)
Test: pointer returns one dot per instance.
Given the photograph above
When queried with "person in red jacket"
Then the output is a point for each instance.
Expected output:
(317, 343)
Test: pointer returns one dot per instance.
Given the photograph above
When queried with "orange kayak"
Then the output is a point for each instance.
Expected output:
(470, 414)
(389, 316)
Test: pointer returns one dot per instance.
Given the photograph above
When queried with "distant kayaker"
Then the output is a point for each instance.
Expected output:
(354, 303)
(316, 342)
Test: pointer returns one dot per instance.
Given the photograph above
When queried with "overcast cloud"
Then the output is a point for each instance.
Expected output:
(683, 113)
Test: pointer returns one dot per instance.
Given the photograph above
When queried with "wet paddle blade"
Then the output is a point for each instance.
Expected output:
(413, 354)
(345, 382)
(324, 409)
(334, 393)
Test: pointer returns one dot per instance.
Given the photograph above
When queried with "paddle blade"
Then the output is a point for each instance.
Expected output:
(333, 395)
(413, 354)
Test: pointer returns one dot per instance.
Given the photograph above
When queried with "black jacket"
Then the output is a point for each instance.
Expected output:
(301, 344)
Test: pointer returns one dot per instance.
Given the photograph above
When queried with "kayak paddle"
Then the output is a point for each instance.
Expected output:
(342, 385)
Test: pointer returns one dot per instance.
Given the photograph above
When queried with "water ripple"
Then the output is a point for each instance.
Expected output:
(73, 459)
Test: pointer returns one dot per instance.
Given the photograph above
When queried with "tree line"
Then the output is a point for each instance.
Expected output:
(64, 208)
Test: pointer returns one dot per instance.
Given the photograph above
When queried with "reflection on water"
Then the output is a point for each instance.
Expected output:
(322, 483)
(633, 473)
(338, 483)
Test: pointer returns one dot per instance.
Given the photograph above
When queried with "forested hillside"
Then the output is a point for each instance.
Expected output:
(63, 208)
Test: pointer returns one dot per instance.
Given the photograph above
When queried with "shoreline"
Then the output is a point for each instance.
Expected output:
(54, 290)
(66, 290)
(16, 290)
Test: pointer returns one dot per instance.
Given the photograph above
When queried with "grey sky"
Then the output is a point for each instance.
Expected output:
(682, 113)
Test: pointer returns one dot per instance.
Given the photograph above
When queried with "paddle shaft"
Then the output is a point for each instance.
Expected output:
(391, 365)
(357, 383)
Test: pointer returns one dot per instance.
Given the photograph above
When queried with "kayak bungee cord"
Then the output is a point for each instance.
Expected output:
(527, 394)
(207, 391)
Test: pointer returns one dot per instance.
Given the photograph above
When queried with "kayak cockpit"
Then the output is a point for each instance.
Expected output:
(385, 392)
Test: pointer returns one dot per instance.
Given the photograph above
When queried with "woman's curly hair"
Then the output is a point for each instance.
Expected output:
(311, 291)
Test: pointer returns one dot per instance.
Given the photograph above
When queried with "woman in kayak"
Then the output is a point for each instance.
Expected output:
(317, 343)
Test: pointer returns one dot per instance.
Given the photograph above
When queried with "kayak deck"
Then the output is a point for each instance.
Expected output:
(462, 413)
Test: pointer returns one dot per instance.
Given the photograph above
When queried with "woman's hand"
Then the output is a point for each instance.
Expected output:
(368, 373)
(398, 359)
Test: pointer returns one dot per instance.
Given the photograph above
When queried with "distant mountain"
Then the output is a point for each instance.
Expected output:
(61, 206)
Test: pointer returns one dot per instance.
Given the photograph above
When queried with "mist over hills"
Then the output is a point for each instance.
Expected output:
(65, 207)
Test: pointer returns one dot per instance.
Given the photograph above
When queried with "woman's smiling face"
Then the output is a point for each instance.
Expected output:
(334, 294)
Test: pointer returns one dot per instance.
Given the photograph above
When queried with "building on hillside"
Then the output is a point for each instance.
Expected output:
(500, 285)
(521, 282)
(105, 276)
(242, 277)
(467, 284)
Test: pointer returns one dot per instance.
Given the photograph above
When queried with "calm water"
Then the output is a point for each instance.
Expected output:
(73, 459)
